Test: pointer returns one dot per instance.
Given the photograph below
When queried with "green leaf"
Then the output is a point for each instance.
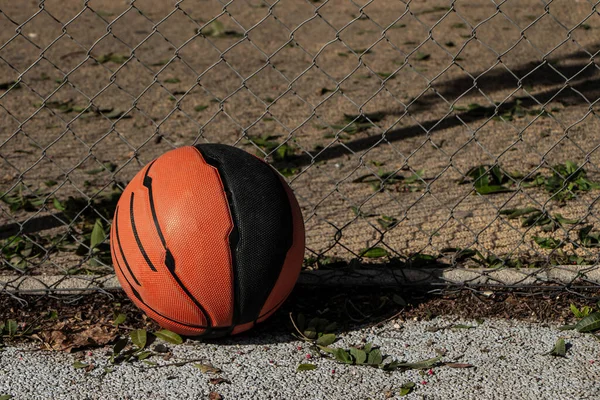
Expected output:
(330, 327)
(387, 222)
(327, 349)
(200, 108)
(306, 367)
(11, 327)
(367, 348)
(490, 189)
(214, 29)
(360, 356)
(172, 80)
(406, 388)
(576, 311)
(422, 56)
(310, 333)
(143, 355)
(98, 234)
(559, 349)
(399, 300)
(119, 319)
(462, 326)
(120, 345)
(590, 323)
(79, 365)
(138, 337)
(301, 321)
(566, 328)
(374, 252)
(204, 368)
(548, 243)
(169, 336)
(565, 221)
(326, 340)
(342, 356)
(513, 213)
(57, 204)
(420, 364)
(375, 357)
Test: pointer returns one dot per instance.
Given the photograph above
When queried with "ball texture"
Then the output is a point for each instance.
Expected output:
(207, 240)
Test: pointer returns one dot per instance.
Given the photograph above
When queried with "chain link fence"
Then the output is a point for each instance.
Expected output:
(437, 142)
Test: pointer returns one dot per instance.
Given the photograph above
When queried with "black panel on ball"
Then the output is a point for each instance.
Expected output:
(263, 225)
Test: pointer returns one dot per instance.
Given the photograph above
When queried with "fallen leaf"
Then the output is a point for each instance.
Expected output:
(169, 336)
(79, 365)
(459, 365)
(119, 319)
(214, 396)
(326, 339)
(216, 381)
(559, 349)
(406, 388)
(204, 368)
(306, 367)
(138, 337)
(94, 336)
(590, 323)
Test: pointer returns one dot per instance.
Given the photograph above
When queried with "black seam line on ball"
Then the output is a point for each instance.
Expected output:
(234, 238)
(137, 238)
(169, 259)
(135, 292)
(121, 249)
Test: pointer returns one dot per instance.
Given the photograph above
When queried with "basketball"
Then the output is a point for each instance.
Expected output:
(207, 240)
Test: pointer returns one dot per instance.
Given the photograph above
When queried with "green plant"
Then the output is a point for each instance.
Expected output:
(279, 151)
(216, 29)
(587, 238)
(531, 216)
(353, 124)
(565, 182)
(488, 179)
(581, 312)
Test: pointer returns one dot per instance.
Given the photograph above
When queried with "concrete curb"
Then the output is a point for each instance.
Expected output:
(434, 277)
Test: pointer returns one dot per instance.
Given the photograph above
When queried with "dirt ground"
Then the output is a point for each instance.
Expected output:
(288, 73)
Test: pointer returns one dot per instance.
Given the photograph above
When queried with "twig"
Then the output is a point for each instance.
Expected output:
(385, 320)
(298, 330)
(177, 364)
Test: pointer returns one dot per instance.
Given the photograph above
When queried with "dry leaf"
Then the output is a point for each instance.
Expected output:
(459, 365)
(214, 396)
(216, 381)
(207, 368)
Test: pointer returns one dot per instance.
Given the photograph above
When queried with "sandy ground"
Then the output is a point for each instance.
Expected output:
(292, 70)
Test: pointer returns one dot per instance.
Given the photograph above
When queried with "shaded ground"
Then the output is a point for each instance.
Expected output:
(66, 323)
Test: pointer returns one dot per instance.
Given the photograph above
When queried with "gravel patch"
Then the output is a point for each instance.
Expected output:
(508, 357)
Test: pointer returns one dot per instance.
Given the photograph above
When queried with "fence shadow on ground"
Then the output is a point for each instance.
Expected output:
(577, 89)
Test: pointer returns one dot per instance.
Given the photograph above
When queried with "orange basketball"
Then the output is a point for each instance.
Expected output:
(207, 240)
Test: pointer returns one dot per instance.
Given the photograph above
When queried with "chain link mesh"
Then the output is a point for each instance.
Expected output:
(452, 143)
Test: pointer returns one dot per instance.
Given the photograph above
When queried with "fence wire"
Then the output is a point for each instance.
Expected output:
(440, 142)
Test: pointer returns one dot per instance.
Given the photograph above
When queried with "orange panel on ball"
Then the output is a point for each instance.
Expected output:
(181, 254)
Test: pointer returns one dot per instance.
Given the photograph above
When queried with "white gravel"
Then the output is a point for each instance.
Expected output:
(508, 355)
